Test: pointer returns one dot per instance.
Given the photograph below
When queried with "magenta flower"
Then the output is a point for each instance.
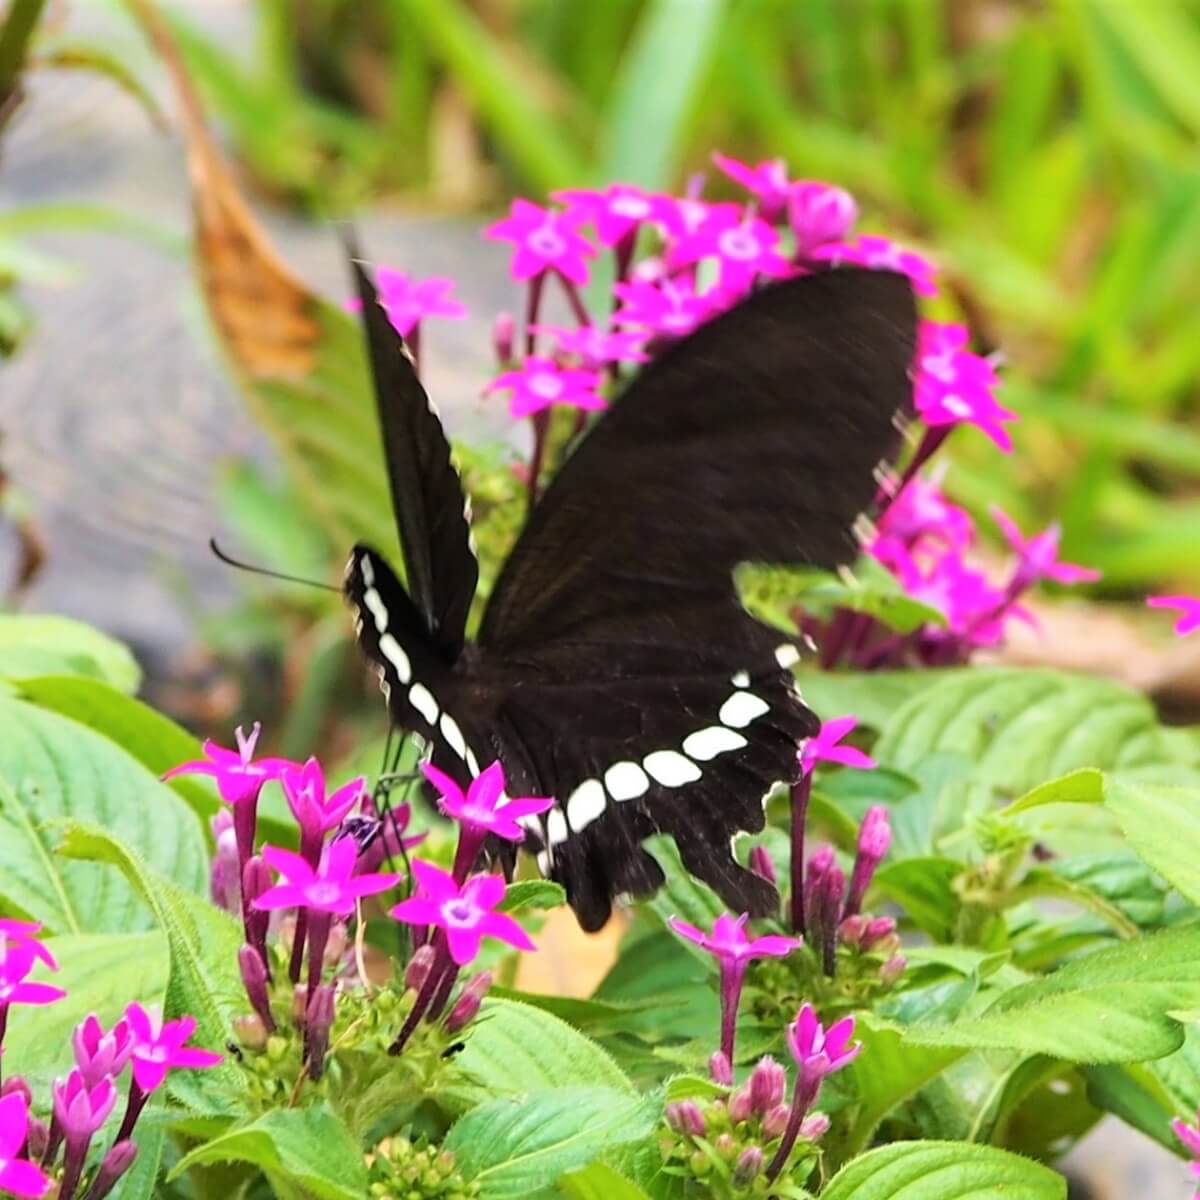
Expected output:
(681, 216)
(545, 241)
(768, 182)
(332, 888)
(160, 1046)
(18, 1175)
(1038, 556)
(485, 808)
(825, 747)
(1189, 1135)
(239, 778)
(16, 962)
(956, 387)
(464, 914)
(616, 212)
(971, 606)
(540, 382)
(12, 930)
(874, 841)
(819, 214)
(669, 309)
(81, 1109)
(819, 1052)
(408, 300)
(595, 346)
(316, 813)
(880, 254)
(101, 1055)
(923, 511)
(1188, 606)
(733, 951)
(744, 245)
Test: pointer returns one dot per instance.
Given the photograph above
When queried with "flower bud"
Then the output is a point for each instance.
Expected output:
(225, 875)
(724, 1145)
(299, 1004)
(720, 1069)
(700, 1164)
(250, 1031)
(115, 1163)
(893, 969)
(852, 930)
(814, 1127)
(503, 329)
(739, 1105)
(254, 977)
(256, 878)
(417, 971)
(768, 1082)
(14, 1083)
(775, 1122)
(318, 1023)
(335, 947)
(467, 1005)
(823, 914)
(878, 929)
(762, 866)
(874, 841)
(819, 213)
(684, 1116)
(37, 1138)
(749, 1166)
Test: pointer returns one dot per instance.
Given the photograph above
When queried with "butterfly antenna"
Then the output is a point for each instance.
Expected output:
(244, 566)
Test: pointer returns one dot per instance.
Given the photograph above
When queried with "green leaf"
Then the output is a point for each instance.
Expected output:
(517, 1048)
(599, 1182)
(658, 82)
(1131, 1092)
(1161, 824)
(943, 1171)
(69, 54)
(53, 769)
(924, 888)
(308, 1147)
(682, 895)
(872, 696)
(1110, 1006)
(59, 646)
(1084, 786)
(101, 973)
(203, 943)
(532, 893)
(517, 1146)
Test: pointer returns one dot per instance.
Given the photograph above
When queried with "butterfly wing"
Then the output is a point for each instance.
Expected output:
(631, 683)
(431, 513)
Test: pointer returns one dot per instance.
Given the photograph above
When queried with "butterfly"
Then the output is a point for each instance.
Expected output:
(614, 667)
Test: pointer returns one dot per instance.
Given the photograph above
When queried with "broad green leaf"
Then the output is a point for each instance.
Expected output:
(924, 888)
(682, 895)
(202, 942)
(1131, 1092)
(532, 894)
(50, 645)
(307, 1147)
(54, 770)
(943, 1171)
(515, 1147)
(871, 696)
(1161, 824)
(1084, 786)
(599, 1182)
(1111, 1006)
(101, 973)
(517, 1048)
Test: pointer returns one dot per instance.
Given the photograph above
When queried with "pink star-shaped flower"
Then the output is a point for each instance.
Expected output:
(962, 595)
(13, 930)
(159, 1047)
(1038, 556)
(922, 510)
(484, 808)
(819, 1051)
(744, 246)
(595, 346)
(81, 1109)
(16, 962)
(545, 241)
(100, 1055)
(825, 747)
(331, 888)
(819, 213)
(316, 813)
(767, 181)
(616, 211)
(955, 386)
(18, 1175)
(239, 777)
(728, 942)
(465, 914)
(880, 254)
(540, 382)
(667, 309)
(1188, 606)
(681, 216)
(408, 300)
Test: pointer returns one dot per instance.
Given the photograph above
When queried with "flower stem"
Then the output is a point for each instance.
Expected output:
(449, 975)
(245, 823)
(299, 937)
(424, 997)
(801, 793)
(470, 842)
(533, 304)
(133, 1110)
(318, 937)
(575, 300)
(802, 1100)
(732, 976)
(72, 1167)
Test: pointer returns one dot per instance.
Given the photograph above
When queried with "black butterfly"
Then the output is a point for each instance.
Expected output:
(615, 668)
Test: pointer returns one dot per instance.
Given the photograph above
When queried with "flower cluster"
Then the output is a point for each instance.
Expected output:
(36, 1157)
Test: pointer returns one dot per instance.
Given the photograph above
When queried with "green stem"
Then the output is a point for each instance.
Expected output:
(15, 36)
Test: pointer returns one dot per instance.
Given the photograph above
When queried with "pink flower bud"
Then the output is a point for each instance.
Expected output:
(762, 866)
(814, 1126)
(874, 840)
(502, 337)
(775, 1122)
(467, 1006)
(893, 969)
(749, 1166)
(684, 1116)
(318, 1023)
(720, 1069)
(768, 1082)
(877, 930)
(739, 1105)
(299, 1004)
(852, 930)
(16, 1084)
(115, 1163)
(254, 977)
(37, 1138)
(417, 971)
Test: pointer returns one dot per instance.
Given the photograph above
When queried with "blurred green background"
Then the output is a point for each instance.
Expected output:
(1044, 152)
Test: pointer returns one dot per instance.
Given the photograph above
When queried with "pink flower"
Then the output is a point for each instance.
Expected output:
(465, 914)
(1189, 608)
(963, 596)
(874, 841)
(239, 778)
(14, 931)
(681, 216)
(544, 241)
(819, 1052)
(485, 809)
(540, 382)
(1189, 1135)
(81, 1109)
(595, 346)
(825, 748)
(616, 212)
(316, 813)
(16, 962)
(922, 510)
(955, 386)
(18, 1175)
(408, 300)
(668, 309)
(101, 1055)
(767, 182)
(159, 1047)
(1038, 556)
(743, 245)
(819, 213)
(880, 254)
(331, 888)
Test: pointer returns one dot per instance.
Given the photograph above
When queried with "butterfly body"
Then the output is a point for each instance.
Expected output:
(615, 668)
